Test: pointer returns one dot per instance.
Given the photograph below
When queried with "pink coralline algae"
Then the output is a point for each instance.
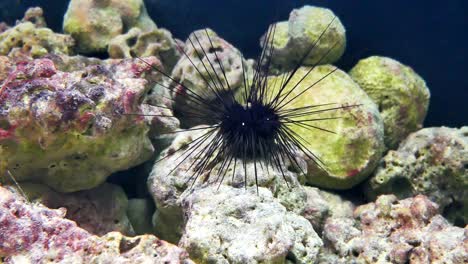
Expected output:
(395, 231)
(77, 122)
(32, 233)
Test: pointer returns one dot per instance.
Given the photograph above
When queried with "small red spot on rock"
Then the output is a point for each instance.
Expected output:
(352, 173)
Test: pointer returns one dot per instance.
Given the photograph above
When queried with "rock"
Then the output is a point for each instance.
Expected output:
(99, 211)
(76, 122)
(314, 32)
(138, 43)
(433, 162)
(93, 23)
(352, 152)
(140, 212)
(32, 233)
(170, 180)
(200, 72)
(157, 103)
(400, 93)
(313, 204)
(32, 38)
(392, 231)
(172, 176)
(237, 226)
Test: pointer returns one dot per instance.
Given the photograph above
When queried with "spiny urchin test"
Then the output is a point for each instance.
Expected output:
(251, 124)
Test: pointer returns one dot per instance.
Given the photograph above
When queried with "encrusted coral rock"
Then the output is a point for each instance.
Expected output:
(392, 231)
(93, 23)
(31, 37)
(70, 130)
(232, 225)
(353, 144)
(32, 233)
(136, 42)
(172, 175)
(400, 93)
(433, 162)
(201, 71)
(311, 32)
(99, 211)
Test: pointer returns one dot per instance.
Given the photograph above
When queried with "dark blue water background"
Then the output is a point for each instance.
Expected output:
(430, 36)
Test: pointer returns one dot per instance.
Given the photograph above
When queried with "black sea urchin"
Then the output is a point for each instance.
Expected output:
(253, 125)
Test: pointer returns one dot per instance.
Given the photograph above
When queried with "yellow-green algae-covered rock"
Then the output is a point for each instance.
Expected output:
(353, 152)
(400, 93)
(308, 27)
(30, 36)
(93, 23)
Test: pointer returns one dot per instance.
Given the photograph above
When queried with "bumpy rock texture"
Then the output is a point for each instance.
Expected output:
(432, 161)
(352, 152)
(156, 42)
(74, 121)
(392, 231)
(99, 211)
(238, 226)
(31, 37)
(200, 71)
(32, 233)
(400, 93)
(313, 32)
(170, 178)
(93, 23)
(169, 181)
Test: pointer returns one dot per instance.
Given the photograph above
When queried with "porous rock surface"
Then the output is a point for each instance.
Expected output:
(138, 43)
(93, 23)
(393, 231)
(172, 178)
(200, 71)
(433, 162)
(31, 36)
(353, 145)
(232, 225)
(32, 233)
(99, 210)
(400, 93)
(312, 32)
(69, 119)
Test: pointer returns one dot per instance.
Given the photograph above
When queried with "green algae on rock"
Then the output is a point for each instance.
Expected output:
(400, 93)
(31, 37)
(140, 212)
(69, 129)
(139, 43)
(93, 23)
(352, 153)
(433, 162)
(307, 27)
